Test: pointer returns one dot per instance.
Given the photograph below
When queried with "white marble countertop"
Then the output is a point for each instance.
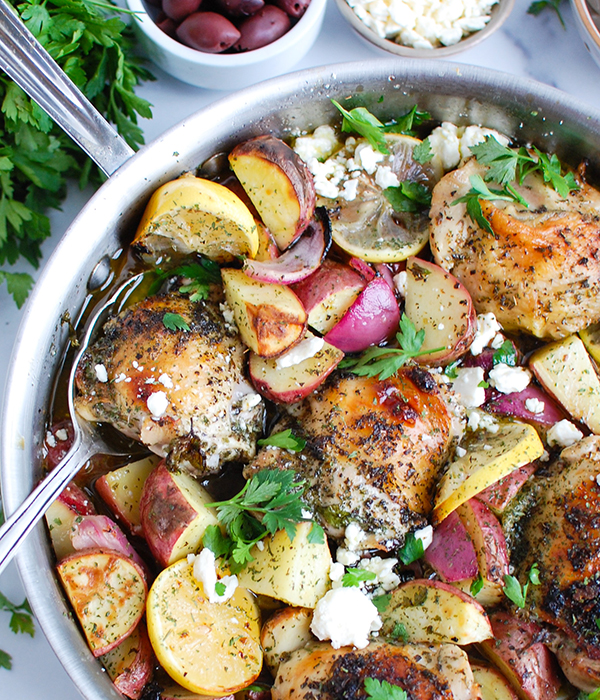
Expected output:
(533, 47)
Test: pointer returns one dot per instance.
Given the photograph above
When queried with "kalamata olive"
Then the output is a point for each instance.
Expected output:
(180, 9)
(208, 31)
(294, 8)
(167, 25)
(262, 28)
(239, 8)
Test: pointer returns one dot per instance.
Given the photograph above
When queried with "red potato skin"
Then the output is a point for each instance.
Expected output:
(133, 679)
(55, 449)
(514, 405)
(451, 552)
(262, 28)
(498, 495)
(372, 318)
(208, 32)
(164, 513)
(76, 499)
(276, 151)
(527, 664)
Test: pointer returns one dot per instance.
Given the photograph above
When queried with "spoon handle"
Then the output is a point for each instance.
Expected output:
(20, 523)
(24, 59)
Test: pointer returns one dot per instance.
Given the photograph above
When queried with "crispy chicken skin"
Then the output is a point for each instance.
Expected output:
(561, 533)
(180, 392)
(319, 672)
(374, 452)
(539, 271)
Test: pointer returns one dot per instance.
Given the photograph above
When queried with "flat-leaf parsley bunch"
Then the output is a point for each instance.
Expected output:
(94, 48)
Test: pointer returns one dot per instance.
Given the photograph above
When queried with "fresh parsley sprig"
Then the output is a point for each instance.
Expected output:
(273, 494)
(36, 157)
(384, 362)
(21, 622)
(513, 590)
(411, 550)
(383, 690)
(284, 439)
(355, 576)
(175, 322)
(407, 123)
(540, 5)
(408, 196)
(198, 277)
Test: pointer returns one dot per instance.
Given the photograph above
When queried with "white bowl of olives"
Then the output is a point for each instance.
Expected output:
(226, 44)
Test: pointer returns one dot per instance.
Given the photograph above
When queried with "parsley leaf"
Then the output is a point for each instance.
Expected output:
(354, 576)
(271, 493)
(382, 690)
(199, 276)
(399, 632)
(407, 123)
(21, 622)
(5, 660)
(175, 322)
(476, 585)
(408, 196)
(505, 354)
(95, 49)
(361, 121)
(286, 440)
(381, 601)
(220, 588)
(422, 152)
(512, 587)
(411, 550)
(384, 362)
(540, 5)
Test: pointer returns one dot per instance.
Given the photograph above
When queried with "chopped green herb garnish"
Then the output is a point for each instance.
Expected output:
(399, 633)
(476, 585)
(354, 576)
(506, 354)
(381, 601)
(422, 152)
(408, 196)
(359, 120)
(220, 588)
(411, 550)
(200, 275)
(21, 621)
(271, 493)
(513, 590)
(382, 690)
(286, 440)
(407, 123)
(175, 322)
(540, 5)
(384, 362)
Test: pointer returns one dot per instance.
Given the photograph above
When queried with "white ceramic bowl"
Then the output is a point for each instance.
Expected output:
(227, 71)
(499, 14)
(585, 14)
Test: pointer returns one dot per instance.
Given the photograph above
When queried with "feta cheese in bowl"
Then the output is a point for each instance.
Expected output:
(425, 28)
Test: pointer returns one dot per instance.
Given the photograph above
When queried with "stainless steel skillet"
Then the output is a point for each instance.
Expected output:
(525, 109)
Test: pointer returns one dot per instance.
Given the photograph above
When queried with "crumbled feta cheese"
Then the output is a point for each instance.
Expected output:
(345, 616)
(336, 571)
(101, 373)
(385, 177)
(157, 403)
(121, 377)
(50, 439)
(383, 568)
(206, 573)
(425, 534)
(61, 434)
(564, 434)
(472, 135)
(349, 190)
(354, 535)
(346, 557)
(460, 451)
(320, 144)
(400, 282)
(480, 420)
(509, 380)
(368, 157)
(166, 381)
(445, 145)
(534, 405)
(227, 314)
(487, 328)
(305, 349)
(249, 401)
(466, 386)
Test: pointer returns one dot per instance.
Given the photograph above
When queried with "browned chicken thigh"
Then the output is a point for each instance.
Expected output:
(426, 672)
(179, 391)
(374, 452)
(560, 532)
(539, 271)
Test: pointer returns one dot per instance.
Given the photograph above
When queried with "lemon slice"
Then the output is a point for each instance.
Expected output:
(208, 648)
(490, 457)
(368, 227)
(193, 215)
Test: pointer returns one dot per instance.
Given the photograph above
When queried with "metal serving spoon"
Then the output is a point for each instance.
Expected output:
(24, 59)
(88, 441)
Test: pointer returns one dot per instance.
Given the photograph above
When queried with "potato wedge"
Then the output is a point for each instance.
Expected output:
(193, 215)
(295, 572)
(565, 370)
(173, 514)
(435, 612)
(489, 458)
(279, 184)
(207, 648)
(285, 631)
(492, 684)
(108, 594)
(269, 317)
(289, 384)
(121, 490)
(131, 664)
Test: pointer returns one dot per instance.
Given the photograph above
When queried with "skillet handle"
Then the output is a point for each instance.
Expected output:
(24, 59)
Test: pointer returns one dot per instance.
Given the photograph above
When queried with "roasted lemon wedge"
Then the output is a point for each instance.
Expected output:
(490, 457)
(208, 648)
(369, 226)
(193, 215)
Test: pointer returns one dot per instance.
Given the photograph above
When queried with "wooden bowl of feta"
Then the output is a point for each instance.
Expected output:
(425, 28)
